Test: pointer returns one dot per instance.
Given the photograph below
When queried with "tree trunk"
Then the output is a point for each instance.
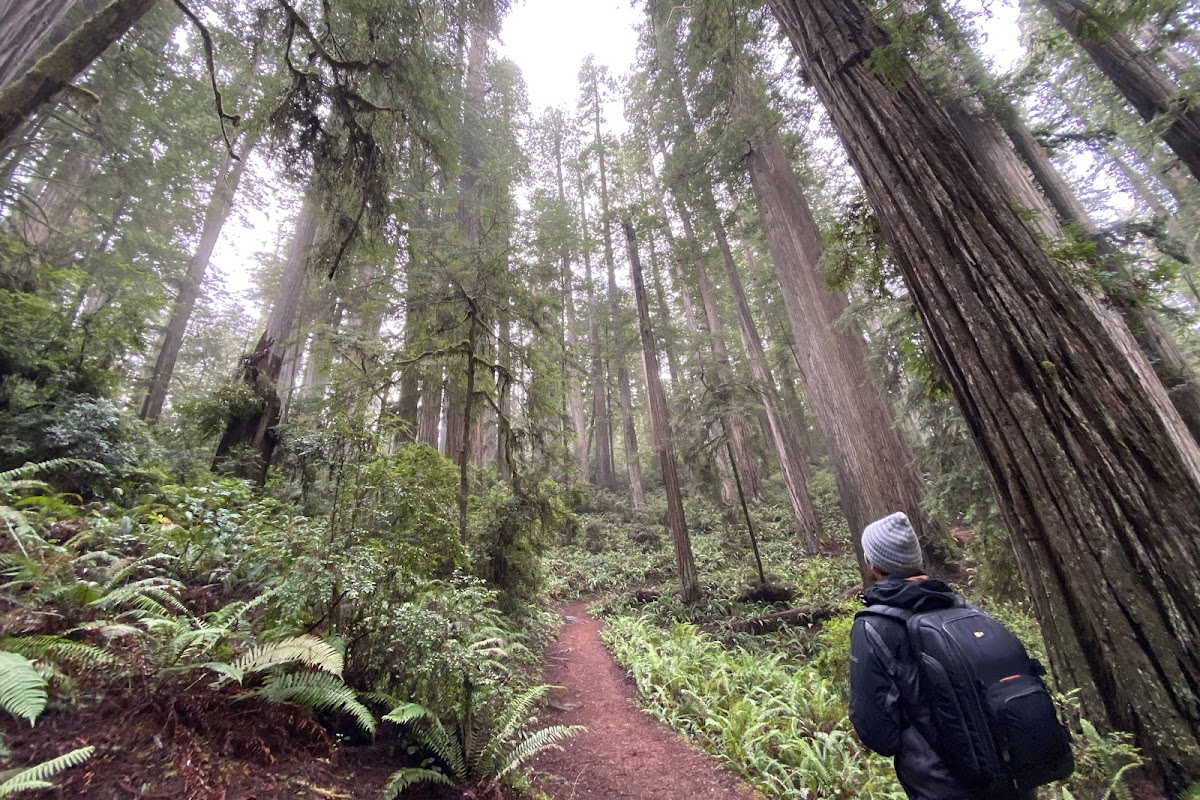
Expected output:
(661, 430)
(995, 155)
(55, 71)
(605, 475)
(261, 369)
(1156, 97)
(429, 424)
(734, 423)
(573, 387)
(24, 24)
(219, 206)
(624, 390)
(1094, 471)
(871, 462)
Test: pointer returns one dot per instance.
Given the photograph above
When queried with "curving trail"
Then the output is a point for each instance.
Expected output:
(624, 753)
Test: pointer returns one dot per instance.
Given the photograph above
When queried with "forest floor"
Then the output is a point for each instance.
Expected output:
(624, 753)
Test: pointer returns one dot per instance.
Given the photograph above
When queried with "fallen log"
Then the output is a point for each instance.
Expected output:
(809, 615)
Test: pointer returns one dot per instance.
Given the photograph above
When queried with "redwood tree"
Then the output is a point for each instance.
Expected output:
(1157, 98)
(660, 429)
(1094, 471)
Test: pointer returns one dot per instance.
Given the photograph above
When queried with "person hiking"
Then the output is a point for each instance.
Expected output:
(901, 710)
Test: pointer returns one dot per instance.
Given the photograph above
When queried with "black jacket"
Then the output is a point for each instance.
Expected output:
(886, 708)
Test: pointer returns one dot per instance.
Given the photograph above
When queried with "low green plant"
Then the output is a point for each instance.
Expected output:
(779, 724)
(23, 694)
(491, 739)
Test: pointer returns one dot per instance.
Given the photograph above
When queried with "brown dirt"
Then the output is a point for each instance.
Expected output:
(200, 746)
(624, 753)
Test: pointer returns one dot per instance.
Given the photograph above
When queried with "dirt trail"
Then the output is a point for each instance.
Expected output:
(624, 753)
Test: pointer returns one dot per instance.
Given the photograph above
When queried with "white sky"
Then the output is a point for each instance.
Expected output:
(549, 39)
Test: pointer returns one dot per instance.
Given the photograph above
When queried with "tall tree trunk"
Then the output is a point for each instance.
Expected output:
(573, 388)
(219, 206)
(870, 459)
(429, 423)
(794, 474)
(1094, 471)
(55, 71)
(995, 155)
(624, 390)
(1156, 97)
(261, 369)
(605, 475)
(981, 129)
(733, 422)
(24, 24)
(661, 431)
(470, 223)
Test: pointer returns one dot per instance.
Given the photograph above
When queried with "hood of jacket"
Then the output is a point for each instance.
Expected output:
(913, 593)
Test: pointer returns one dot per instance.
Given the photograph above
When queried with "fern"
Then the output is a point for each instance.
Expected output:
(38, 777)
(486, 749)
(1190, 793)
(531, 745)
(60, 650)
(317, 690)
(310, 650)
(9, 477)
(22, 689)
(402, 779)
(148, 596)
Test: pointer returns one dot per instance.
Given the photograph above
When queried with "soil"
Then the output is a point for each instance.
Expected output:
(624, 753)
(200, 746)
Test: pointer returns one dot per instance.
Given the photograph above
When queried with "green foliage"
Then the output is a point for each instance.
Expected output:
(833, 659)
(307, 650)
(22, 688)
(38, 776)
(780, 725)
(491, 738)
(319, 691)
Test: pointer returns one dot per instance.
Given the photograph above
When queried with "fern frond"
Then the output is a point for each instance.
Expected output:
(1190, 793)
(533, 744)
(30, 468)
(230, 615)
(59, 650)
(408, 712)
(431, 734)
(22, 688)
(312, 651)
(38, 776)
(317, 690)
(27, 484)
(514, 718)
(150, 595)
(402, 779)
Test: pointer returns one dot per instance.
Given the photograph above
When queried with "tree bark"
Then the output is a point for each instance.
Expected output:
(624, 390)
(661, 430)
(261, 369)
(55, 71)
(734, 423)
(573, 388)
(871, 462)
(25, 24)
(605, 475)
(995, 155)
(1094, 471)
(219, 206)
(1140, 81)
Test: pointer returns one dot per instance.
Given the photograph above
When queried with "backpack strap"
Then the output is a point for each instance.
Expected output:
(901, 615)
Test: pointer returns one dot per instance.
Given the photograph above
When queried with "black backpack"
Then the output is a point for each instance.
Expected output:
(996, 728)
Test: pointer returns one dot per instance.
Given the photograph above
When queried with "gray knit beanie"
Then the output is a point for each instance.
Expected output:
(891, 544)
